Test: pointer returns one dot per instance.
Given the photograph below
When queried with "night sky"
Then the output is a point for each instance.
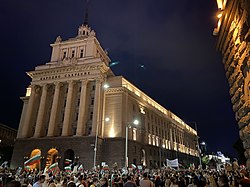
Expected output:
(166, 48)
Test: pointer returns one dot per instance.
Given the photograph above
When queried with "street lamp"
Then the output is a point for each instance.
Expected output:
(128, 125)
(197, 141)
(96, 139)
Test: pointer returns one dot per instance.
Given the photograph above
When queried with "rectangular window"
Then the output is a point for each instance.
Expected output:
(91, 115)
(134, 133)
(149, 139)
(64, 55)
(89, 130)
(163, 143)
(73, 54)
(157, 141)
(92, 101)
(81, 53)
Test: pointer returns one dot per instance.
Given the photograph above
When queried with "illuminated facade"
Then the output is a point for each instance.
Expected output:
(233, 40)
(68, 100)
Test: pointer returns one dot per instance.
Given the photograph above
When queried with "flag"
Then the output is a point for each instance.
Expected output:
(56, 171)
(106, 167)
(67, 161)
(53, 166)
(67, 169)
(26, 168)
(33, 160)
(80, 168)
(133, 166)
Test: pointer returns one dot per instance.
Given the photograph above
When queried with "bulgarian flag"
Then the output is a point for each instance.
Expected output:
(105, 167)
(33, 160)
(67, 161)
(56, 171)
(26, 168)
(67, 169)
(80, 168)
(53, 166)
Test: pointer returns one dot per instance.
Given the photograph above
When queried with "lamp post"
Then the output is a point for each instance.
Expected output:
(128, 125)
(105, 87)
(197, 142)
(96, 139)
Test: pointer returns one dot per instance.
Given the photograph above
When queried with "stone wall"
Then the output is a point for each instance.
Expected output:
(234, 43)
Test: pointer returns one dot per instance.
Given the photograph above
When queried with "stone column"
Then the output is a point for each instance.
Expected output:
(30, 107)
(41, 111)
(67, 115)
(54, 110)
(25, 104)
(171, 139)
(96, 110)
(81, 122)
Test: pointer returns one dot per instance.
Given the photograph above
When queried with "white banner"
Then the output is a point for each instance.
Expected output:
(173, 163)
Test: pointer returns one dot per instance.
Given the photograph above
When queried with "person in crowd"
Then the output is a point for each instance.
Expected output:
(104, 182)
(145, 182)
(130, 182)
(14, 183)
(245, 180)
(40, 181)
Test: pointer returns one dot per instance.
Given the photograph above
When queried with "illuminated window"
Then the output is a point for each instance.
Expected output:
(28, 91)
(163, 143)
(157, 141)
(153, 138)
(134, 133)
(149, 139)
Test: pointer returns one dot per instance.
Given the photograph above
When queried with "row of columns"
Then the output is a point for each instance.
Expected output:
(25, 125)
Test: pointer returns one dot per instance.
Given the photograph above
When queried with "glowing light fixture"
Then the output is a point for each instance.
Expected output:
(105, 86)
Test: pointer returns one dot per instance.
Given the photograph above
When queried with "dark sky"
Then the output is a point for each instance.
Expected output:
(172, 39)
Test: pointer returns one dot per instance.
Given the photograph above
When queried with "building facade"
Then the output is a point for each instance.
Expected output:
(7, 136)
(7, 140)
(76, 108)
(233, 41)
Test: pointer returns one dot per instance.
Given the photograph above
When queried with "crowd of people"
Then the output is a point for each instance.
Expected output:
(166, 177)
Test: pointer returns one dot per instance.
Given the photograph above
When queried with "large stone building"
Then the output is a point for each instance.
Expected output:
(7, 136)
(75, 104)
(233, 40)
(7, 140)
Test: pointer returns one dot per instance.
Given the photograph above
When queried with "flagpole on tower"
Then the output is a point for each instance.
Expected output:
(86, 14)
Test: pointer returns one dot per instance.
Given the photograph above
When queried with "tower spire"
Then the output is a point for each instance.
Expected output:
(86, 15)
